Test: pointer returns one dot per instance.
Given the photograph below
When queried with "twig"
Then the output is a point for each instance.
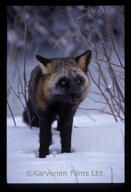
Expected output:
(11, 113)
(104, 97)
(76, 178)
(111, 175)
(18, 97)
(99, 110)
(24, 72)
(111, 35)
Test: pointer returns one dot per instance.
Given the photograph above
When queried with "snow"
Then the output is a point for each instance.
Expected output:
(97, 153)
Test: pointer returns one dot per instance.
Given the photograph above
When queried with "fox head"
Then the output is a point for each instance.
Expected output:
(65, 80)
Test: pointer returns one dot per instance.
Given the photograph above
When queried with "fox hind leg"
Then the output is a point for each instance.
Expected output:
(33, 117)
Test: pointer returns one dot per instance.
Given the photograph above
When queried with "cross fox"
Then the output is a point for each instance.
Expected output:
(56, 88)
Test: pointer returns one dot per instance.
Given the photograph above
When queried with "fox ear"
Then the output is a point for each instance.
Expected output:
(43, 62)
(84, 60)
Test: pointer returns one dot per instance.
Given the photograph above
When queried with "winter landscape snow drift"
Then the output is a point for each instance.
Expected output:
(97, 153)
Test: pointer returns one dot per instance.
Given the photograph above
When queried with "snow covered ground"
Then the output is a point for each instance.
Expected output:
(97, 153)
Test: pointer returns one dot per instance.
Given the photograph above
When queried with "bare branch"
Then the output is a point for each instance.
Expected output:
(11, 113)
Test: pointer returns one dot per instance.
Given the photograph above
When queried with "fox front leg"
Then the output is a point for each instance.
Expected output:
(65, 126)
(45, 136)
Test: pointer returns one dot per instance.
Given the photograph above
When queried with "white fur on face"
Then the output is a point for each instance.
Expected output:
(54, 90)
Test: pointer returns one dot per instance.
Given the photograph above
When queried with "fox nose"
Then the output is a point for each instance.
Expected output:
(75, 96)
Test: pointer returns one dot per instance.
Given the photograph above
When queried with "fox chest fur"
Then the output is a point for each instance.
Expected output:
(56, 88)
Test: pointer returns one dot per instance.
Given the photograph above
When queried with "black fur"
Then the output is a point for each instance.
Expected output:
(65, 114)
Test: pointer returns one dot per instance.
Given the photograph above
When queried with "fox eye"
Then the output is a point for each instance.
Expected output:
(64, 82)
(78, 80)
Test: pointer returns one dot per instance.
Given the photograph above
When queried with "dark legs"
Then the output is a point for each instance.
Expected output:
(65, 127)
(45, 136)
